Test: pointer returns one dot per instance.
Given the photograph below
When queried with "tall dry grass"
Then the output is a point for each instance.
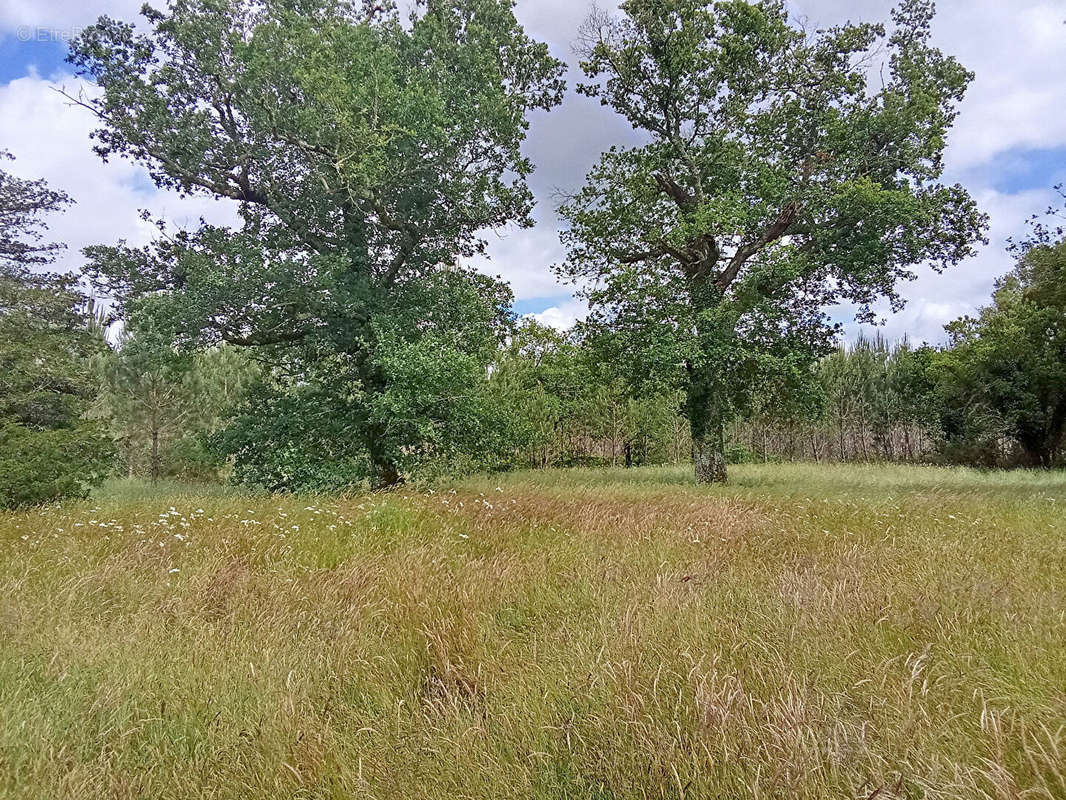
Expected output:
(804, 632)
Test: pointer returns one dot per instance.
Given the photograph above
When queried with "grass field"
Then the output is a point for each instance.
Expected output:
(806, 631)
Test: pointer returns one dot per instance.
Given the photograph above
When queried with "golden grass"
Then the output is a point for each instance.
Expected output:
(879, 632)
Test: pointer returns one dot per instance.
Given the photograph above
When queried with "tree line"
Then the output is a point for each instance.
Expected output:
(333, 337)
(77, 407)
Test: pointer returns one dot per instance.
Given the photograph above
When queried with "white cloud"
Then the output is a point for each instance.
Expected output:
(523, 257)
(62, 16)
(49, 138)
(1017, 51)
(562, 316)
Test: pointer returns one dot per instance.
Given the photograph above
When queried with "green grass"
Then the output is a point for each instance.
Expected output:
(806, 631)
(119, 490)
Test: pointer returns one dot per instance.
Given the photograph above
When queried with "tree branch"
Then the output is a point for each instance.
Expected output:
(771, 233)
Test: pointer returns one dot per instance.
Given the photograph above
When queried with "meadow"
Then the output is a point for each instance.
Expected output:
(805, 631)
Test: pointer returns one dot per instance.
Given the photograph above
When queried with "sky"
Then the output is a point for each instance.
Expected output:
(1008, 146)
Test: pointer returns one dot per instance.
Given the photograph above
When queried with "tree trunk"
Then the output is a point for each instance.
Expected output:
(155, 454)
(707, 421)
(840, 422)
(388, 476)
(708, 455)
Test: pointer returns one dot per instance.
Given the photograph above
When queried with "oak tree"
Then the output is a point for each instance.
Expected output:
(367, 154)
(781, 171)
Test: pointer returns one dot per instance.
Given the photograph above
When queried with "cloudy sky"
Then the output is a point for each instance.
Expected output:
(1008, 146)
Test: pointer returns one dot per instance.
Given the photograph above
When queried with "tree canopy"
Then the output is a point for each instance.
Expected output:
(367, 155)
(1009, 361)
(47, 339)
(782, 171)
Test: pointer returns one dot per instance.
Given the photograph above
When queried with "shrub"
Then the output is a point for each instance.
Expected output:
(41, 466)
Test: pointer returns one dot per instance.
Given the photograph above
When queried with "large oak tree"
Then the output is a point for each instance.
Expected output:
(781, 171)
(367, 153)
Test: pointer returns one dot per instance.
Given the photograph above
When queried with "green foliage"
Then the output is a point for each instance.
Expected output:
(23, 204)
(777, 177)
(368, 155)
(41, 466)
(427, 407)
(436, 416)
(569, 405)
(995, 396)
(145, 394)
(1005, 374)
(736, 453)
(44, 325)
(47, 338)
(878, 399)
(163, 404)
(863, 402)
(45, 345)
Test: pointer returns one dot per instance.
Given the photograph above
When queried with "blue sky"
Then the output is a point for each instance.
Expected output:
(1008, 146)
(1019, 170)
(18, 58)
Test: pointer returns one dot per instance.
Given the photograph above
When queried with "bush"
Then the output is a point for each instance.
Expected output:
(42, 466)
(192, 458)
(736, 453)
